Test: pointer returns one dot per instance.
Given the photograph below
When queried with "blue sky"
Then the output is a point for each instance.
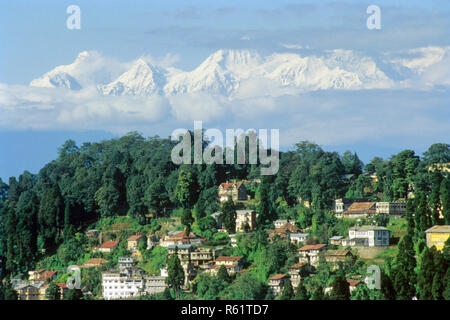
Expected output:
(34, 39)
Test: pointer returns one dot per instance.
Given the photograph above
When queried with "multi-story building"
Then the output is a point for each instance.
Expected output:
(202, 255)
(151, 240)
(125, 263)
(335, 257)
(232, 264)
(437, 235)
(28, 291)
(108, 246)
(284, 230)
(360, 210)
(391, 208)
(117, 286)
(178, 238)
(371, 236)
(245, 218)
(155, 284)
(311, 253)
(184, 254)
(134, 241)
(295, 273)
(336, 240)
(232, 190)
(276, 283)
(340, 205)
(281, 222)
(41, 275)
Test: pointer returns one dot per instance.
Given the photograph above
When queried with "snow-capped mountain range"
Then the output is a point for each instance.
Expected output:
(232, 72)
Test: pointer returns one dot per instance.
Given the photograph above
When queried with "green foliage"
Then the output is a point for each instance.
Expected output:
(208, 287)
(301, 292)
(288, 292)
(362, 292)
(187, 220)
(246, 287)
(6, 291)
(223, 275)
(403, 274)
(341, 288)
(53, 292)
(185, 190)
(73, 294)
(228, 216)
(175, 271)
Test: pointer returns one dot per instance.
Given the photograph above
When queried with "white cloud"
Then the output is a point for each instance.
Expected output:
(330, 117)
(292, 46)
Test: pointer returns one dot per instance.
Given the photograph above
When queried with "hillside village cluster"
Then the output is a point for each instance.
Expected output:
(128, 281)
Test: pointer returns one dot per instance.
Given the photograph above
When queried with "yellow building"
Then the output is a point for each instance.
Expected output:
(134, 241)
(437, 235)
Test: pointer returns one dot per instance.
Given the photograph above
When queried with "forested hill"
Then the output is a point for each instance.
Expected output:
(135, 176)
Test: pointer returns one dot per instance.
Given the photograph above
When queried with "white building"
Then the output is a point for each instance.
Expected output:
(391, 208)
(371, 236)
(155, 284)
(298, 237)
(245, 218)
(117, 287)
(281, 222)
(125, 262)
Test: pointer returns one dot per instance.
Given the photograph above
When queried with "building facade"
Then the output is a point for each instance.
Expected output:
(437, 235)
(245, 218)
(232, 190)
(371, 236)
(391, 208)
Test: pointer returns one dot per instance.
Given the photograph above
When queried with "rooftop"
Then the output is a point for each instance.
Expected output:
(109, 244)
(135, 237)
(367, 228)
(228, 185)
(229, 258)
(96, 261)
(439, 229)
(338, 252)
(312, 247)
(297, 265)
(353, 283)
(279, 276)
(357, 207)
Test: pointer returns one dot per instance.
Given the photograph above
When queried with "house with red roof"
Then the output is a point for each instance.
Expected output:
(41, 275)
(276, 283)
(134, 241)
(360, 209)
(310, 253)
(232, 190)
(232, 264)
(108, 246)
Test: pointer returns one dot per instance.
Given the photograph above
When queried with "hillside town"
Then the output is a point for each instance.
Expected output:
(249, 239)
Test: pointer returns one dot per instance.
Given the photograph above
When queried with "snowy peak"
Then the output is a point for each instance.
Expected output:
(141, 79)
(89, 68)
(220, 73)
(235, 73)
(56, 80)
(308, 73)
